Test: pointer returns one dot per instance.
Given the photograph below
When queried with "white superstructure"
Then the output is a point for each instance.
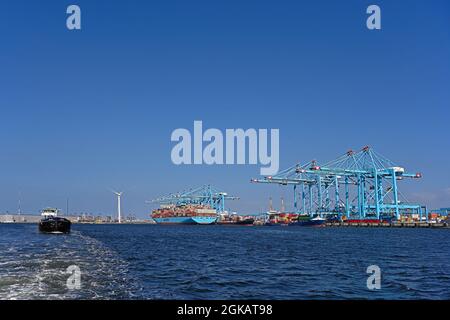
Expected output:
(50, 212)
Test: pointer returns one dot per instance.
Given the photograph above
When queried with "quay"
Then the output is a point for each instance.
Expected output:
(389, 224)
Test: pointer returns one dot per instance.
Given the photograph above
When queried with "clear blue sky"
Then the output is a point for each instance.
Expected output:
(85, 111)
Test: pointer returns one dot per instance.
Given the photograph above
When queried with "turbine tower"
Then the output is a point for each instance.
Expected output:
(118, 194)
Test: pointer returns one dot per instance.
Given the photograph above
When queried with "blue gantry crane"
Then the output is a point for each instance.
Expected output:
(203, 195)
(360, 184)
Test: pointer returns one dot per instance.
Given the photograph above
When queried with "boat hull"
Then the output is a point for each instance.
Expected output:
(275, 224)
(245, 222)
(55, 225)
(186, 220)
(309, 223)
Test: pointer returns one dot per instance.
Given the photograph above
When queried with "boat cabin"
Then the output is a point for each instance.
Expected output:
(50, 212)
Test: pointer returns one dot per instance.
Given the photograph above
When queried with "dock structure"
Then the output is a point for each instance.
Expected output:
(396, 224)
(27, 218)
(203, 195)
(356, 185)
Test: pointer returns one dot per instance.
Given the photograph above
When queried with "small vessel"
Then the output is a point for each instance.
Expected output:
(51, 223)
(235, 219)
(275, 218)
(246, 221)
(307, 221)
(185, 214)
(240, 222)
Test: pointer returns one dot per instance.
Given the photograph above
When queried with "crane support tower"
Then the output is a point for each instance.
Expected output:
(362, 185)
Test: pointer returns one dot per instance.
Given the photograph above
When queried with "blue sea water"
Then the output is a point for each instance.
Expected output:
(223, 262)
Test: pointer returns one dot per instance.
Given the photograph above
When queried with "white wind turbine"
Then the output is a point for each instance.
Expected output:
(118, 194)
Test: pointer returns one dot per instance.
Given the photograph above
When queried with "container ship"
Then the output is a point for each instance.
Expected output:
(276, 218)
(293, 219)
(235, 219)
(184, 214)
(307, 221)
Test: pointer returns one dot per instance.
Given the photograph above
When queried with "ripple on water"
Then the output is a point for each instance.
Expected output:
(35, 268)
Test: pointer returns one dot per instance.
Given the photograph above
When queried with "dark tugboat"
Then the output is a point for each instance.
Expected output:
(245, 222)
(51, 223)
(307, 221)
